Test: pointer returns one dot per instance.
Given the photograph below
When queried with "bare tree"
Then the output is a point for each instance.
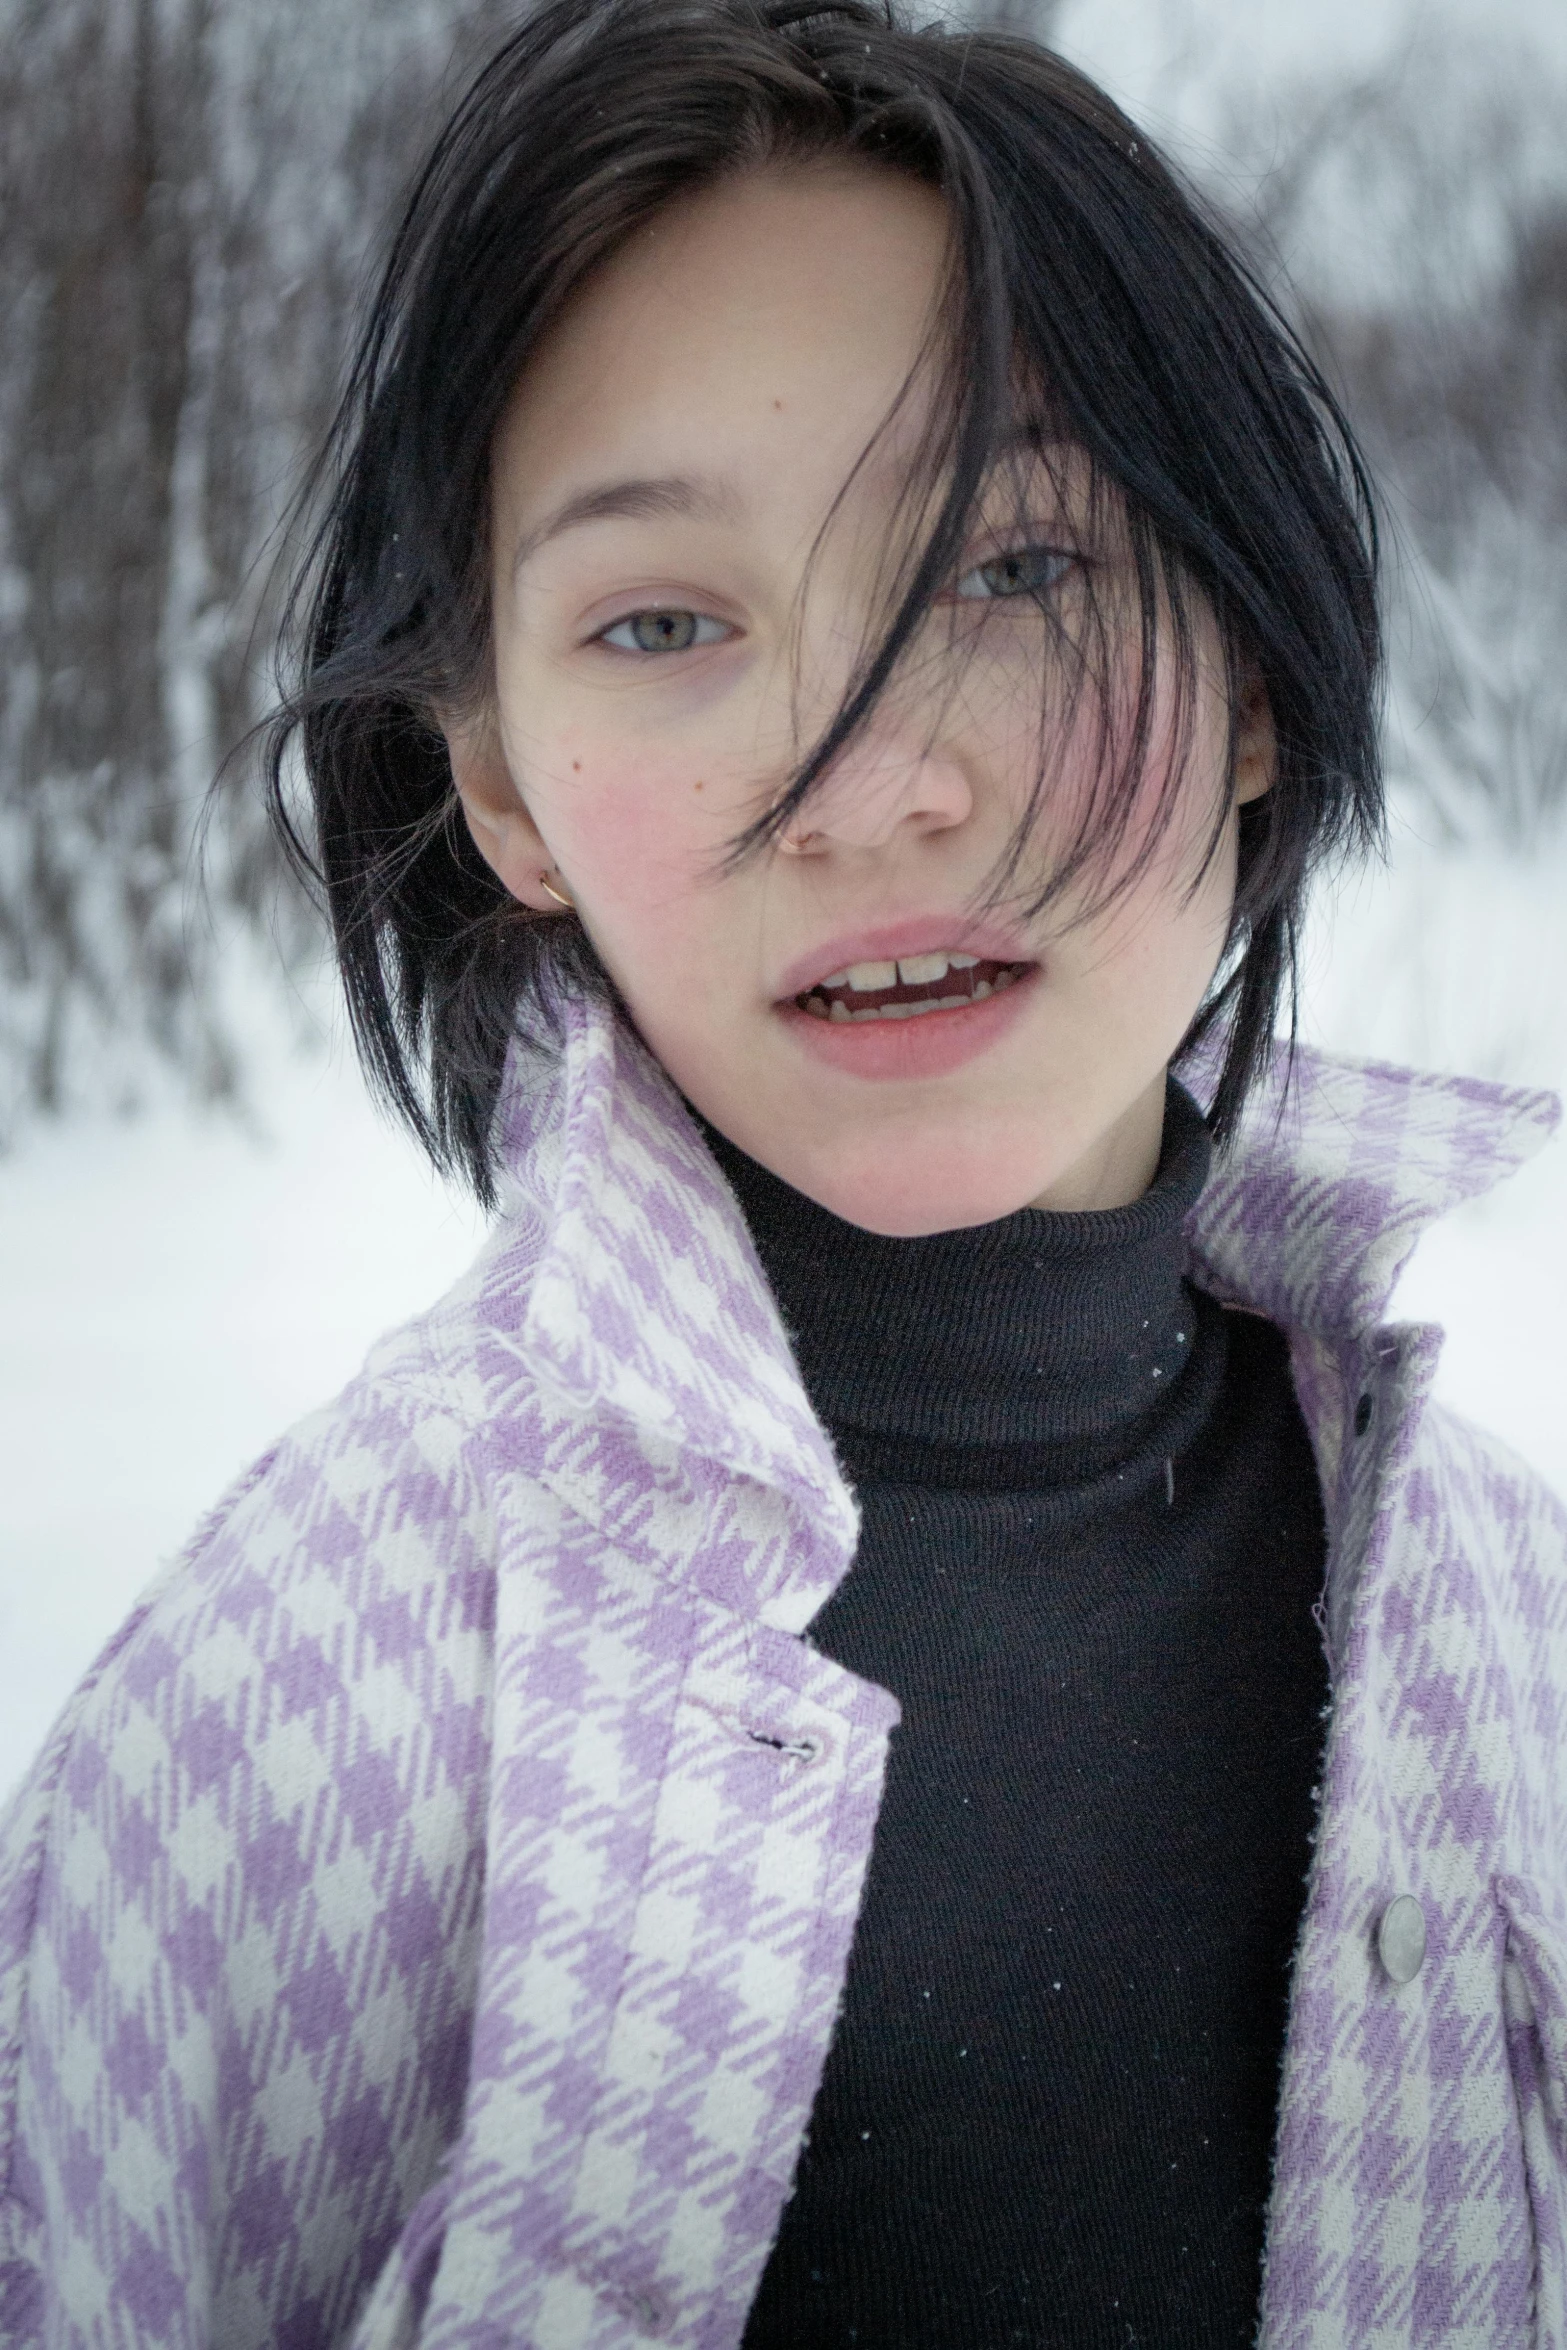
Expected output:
(1419, 223)
(185, 195)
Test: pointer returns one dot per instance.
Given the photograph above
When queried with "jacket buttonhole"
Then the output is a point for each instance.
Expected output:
(798, 1750)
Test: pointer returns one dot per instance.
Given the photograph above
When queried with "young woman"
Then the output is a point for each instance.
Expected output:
(898, 1725)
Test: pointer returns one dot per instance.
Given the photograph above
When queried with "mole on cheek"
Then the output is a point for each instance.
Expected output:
(576, 766)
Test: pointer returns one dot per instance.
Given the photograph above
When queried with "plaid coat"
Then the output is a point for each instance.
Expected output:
(426, 1924)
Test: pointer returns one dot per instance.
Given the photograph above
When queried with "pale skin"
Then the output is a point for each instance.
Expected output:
(663, 654)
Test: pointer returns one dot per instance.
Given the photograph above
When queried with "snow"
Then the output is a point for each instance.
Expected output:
(178, 1289)
(1455, 957)
(1181, 66)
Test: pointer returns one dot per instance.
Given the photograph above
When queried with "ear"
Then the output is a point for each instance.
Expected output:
(1256, 744)
(504, 833)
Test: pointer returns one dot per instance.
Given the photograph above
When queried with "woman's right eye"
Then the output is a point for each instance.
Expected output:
(664, 631)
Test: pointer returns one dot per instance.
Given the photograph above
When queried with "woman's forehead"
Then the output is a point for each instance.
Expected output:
(731, 315)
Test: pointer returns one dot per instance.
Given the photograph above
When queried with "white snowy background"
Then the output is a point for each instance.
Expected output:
(178, 1283)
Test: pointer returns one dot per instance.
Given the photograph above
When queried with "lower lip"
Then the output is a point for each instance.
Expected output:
(929, 1045)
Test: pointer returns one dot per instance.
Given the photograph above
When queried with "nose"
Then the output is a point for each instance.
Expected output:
(883, 783)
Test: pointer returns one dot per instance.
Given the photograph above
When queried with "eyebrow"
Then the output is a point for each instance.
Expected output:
(636, 499)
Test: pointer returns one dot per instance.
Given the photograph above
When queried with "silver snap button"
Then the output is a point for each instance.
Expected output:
(1401, 1939)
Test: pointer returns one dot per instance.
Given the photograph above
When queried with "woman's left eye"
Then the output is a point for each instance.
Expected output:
(663, 631)
(1024, 571)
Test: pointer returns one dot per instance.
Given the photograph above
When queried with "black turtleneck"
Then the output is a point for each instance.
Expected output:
(1092, 1544)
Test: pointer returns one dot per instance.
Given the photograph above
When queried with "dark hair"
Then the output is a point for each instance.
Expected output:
(1086, 283)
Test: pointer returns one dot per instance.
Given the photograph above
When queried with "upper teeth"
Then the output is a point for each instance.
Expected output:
(912, 970)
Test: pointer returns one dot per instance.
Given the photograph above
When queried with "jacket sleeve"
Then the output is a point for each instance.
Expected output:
(239, 1908)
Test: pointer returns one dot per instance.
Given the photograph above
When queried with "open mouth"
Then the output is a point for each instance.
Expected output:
(913, 985)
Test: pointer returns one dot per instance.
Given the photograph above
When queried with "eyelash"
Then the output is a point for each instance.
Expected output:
(1052, 559)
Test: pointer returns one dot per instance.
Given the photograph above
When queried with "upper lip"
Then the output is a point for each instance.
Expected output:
(922, 934)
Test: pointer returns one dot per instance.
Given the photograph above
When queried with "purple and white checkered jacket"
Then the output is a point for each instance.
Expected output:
(426, 1924)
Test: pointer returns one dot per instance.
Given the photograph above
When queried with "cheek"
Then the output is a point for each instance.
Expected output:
(1181, 884)
(1056, 742)
(1159, 947)
(638, 832)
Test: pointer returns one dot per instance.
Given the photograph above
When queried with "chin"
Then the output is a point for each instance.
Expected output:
(905, 1184)
(917, 1220)
(911, 1207)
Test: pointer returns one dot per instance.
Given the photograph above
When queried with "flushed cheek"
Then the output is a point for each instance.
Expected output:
(642, 841)
(629, 829)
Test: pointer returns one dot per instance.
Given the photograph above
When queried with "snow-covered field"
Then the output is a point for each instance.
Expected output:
(1456, 958)
(176, 1290)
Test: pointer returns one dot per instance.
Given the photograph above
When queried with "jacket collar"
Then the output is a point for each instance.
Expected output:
(647, 1299)
(1338, 1168)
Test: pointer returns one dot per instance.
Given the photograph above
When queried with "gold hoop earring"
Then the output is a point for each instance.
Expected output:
(549, 892)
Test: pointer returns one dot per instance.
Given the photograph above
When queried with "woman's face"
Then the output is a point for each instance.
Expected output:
(682, 584)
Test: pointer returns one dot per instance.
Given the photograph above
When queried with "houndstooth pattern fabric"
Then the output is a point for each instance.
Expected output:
(425, 1927)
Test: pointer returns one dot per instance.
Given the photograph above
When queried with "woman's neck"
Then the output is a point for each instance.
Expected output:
(1041, 1330)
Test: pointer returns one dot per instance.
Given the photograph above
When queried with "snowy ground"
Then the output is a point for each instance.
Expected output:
(1457, 959)
(177, 1290)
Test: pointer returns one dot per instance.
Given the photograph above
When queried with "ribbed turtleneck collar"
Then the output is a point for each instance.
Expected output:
(1062, 1334)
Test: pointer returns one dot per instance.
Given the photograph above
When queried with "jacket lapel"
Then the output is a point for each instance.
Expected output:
(1399, 2213)
(648, 1306)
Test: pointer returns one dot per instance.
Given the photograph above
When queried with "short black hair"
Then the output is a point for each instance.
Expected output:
(1083, 269)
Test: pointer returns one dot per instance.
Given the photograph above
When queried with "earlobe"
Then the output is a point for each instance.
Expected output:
(504, 833)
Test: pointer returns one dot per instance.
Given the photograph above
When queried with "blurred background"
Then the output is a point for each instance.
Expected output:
(202, 1225)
